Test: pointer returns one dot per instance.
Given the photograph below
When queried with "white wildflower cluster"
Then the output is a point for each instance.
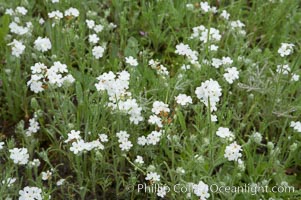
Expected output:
(98, 50)
(231, 74)
(71, 12)
(162, 191)
(205, 7)
(139, 160)
(56, 14)
(238, 26)
(286, 49)
(225, 15)
(185, 50)
(209, 91)
(225, 61)
(95, 27)
(296, 126)
(42, 44)
(183, 99)
(34, 126)
(225, 133)
(159, 106)
(285, 70)
(16, 26)
(160, 69)
(153, 177)
(131, 61)
(17, 48)
(206, 35)
(30, 193)
(117, 87)
(159, 110)
(151, 139)
(19, 156)
(78, 145)
(233, 152)
(201, 190)
(57, 76)
(124, 143)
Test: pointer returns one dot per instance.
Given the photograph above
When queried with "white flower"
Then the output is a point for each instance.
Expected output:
(93, 38)
(78, 146)
(161, 192)
(154, 137)
(231, 74)
(296, 126)
(232, 152)
(216, 62)
(227, 60)
(122, 136)
(211, 91)
(142, 141)
(90, 23)
(41, 21)
(131, 61)
(1, 145)
(46, 175)
(9, 11)
(72, 12)
(42, 44)
(295, 77)
(103, 137)
(139, 160)
(55, 14)
(182, 49)
(60, 182)
(73, 135)
(19, 155)
(205, 6)
(152, 176)
(286, 49)
(213, 118)
(201, 190)
(98, 28)
(183, 99)
(236, 24)
(154, 119)
(159, 106)
(33, 127)
(125, 145)
(98, 51)
(225, 133)
(19, 30)
(225, 15)
(30, 193)
(283, 69)
(38, 68)
(17, 48)
(21, 10)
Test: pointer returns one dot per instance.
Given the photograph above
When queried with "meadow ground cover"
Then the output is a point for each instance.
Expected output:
(150, 99)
